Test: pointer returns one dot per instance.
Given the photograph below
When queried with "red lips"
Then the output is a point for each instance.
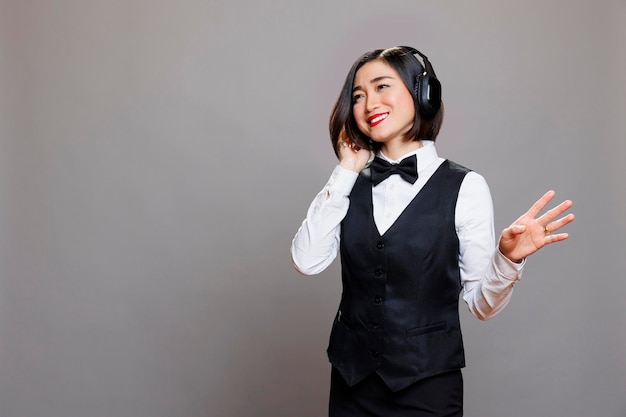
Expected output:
(377, 118)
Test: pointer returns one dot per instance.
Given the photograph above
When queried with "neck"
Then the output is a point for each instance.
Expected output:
(396, 150)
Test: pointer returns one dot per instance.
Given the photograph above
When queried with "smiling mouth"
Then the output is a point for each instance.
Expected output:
(377, 118)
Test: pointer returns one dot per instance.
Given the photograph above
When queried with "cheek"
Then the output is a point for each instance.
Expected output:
(405, 101)
(358, 114)
(409, 107)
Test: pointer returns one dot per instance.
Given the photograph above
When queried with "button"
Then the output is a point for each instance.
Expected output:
(378, 300)
(375, 326)
(374, 353)
(378, 272)
(380, 245)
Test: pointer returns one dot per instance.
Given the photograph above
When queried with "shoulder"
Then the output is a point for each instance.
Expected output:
(456, 167)
(472, 183)
(474, 187)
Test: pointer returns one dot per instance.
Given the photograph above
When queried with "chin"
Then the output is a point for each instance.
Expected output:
(380, 140)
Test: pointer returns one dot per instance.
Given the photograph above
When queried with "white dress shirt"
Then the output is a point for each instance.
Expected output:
(487, 276)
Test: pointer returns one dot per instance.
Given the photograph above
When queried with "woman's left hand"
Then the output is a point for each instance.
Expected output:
(529, 234)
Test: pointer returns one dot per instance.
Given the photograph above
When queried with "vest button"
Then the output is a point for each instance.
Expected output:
(375, 326)
(378, 272)
(374, 353)
(378, 300)
(380, 245)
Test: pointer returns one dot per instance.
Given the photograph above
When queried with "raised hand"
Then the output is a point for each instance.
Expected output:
(530, 233)
(351, 156)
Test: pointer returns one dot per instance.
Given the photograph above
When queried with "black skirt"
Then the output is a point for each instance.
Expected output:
(438, 396)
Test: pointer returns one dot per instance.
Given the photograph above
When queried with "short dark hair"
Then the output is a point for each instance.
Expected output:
(409, 68)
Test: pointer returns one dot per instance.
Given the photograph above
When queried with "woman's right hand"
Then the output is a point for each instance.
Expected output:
(351, 156)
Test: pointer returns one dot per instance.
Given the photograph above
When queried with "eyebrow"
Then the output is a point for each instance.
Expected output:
(374, 80)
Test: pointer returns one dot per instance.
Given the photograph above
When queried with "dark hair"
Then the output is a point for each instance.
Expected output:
(409, 68)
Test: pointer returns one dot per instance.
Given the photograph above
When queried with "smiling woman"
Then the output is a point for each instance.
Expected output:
(413, 231)
(383, 108)
(396, 69)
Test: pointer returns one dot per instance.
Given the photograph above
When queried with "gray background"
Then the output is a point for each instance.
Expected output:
(158, 156)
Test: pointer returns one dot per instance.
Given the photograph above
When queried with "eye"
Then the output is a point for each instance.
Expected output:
(381, 87)
(356, 98)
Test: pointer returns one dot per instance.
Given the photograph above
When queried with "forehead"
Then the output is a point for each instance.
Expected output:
(373, 70)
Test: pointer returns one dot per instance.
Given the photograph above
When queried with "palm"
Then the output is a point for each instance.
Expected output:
(530, 233)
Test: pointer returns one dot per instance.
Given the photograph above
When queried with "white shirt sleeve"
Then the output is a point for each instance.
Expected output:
(316, 243)
(486, 275)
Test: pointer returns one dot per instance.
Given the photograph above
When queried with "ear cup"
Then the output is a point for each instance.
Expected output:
(427, 87)
(428, 93)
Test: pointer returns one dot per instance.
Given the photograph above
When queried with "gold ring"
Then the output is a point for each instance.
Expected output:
(545, 230)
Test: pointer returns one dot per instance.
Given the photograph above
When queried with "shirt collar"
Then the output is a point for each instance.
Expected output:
(426, 155)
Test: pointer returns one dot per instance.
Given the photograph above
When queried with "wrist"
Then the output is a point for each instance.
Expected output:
(509, 256)
(350, 166)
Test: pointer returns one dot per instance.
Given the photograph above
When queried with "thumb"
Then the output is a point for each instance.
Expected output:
(513, 230)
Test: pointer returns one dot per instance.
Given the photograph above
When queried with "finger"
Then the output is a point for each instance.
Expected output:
(555, 212)
(540, 204)
(558, 237)
(557, 224)
(513, 230)
(345, 141)
(344, 149)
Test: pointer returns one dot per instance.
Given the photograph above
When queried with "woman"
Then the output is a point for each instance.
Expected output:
(413, 230)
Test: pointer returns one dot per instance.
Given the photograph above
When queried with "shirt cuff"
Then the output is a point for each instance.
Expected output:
(341, 181)
(508, 269)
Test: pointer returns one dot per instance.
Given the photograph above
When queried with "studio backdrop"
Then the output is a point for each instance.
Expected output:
(156, 159)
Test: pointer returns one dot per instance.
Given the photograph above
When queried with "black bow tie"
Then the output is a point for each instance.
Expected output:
(381, 169)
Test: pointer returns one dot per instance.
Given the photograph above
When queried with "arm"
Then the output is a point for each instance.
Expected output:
(488, 291)
(316, 243)
(487, 276)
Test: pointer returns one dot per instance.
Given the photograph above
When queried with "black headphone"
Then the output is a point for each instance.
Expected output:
(427, 87)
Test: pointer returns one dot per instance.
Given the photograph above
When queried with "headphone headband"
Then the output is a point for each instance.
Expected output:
(428, 68)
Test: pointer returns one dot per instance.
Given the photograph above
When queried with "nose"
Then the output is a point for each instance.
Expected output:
(371, 102)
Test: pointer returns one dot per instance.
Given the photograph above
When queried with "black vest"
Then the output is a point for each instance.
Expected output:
(399, 312)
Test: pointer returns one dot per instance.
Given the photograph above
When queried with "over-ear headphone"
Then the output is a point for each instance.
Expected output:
(427, 87)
